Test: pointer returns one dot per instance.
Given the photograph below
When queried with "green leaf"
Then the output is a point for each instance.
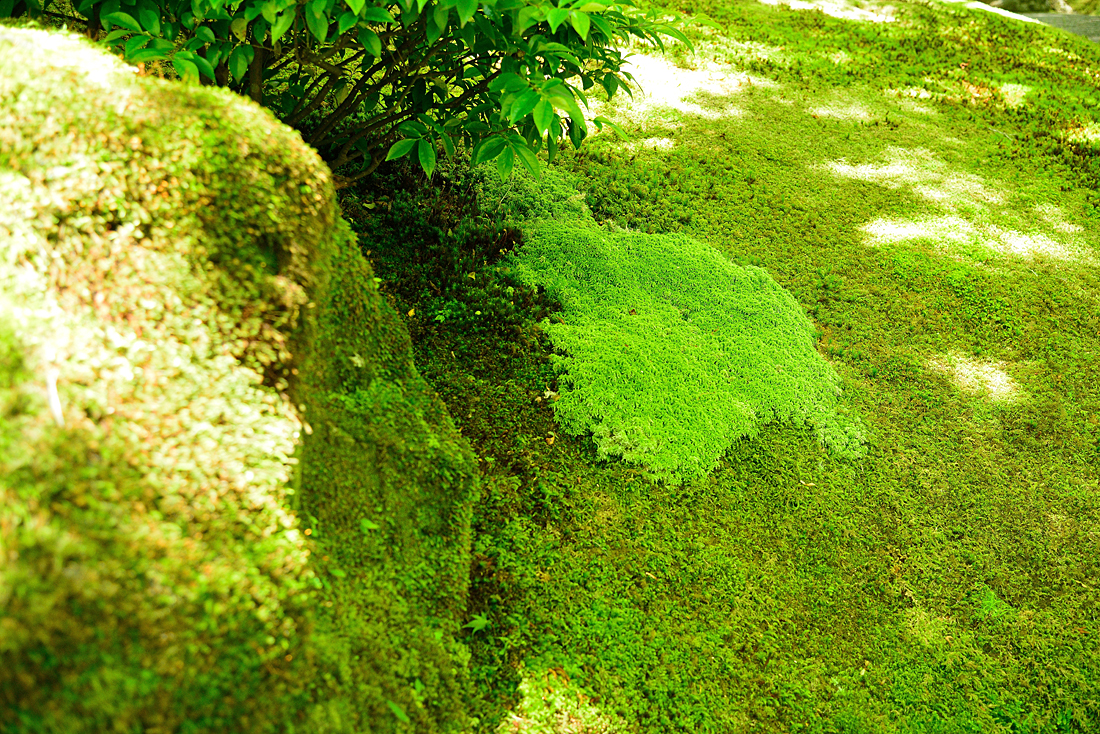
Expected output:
(555, 17)
(426, 122)
(529, 160)
(347, 20)
(123, 19)
(508, 83)
(259, 30)
(116, 34)
(487, 149)
(478, 622)
(317, 8)
(282, 24)
(412, 129)
(318, 26)
(610, 84)
(542, 114)
(526, 18)
(216, 53)
(580, 23)
(448, 145)
(239, 28)
(601, 121)
(466, 10)
(505, 162)
(577, 132)
(565, 99)
(603, 26)
(268, 10)
(523, 105)
(670, 31)
(187, 70)
(204, 34)
(356, 5)
(371, 42)
(401, 148)
(437, 23)
(592, 8)
(150, 20)
(205, 67)
(239, 61)
(135, 43)
(398, 712)
(377, 15)
(425, 151)
(148, 54)
(366, 526)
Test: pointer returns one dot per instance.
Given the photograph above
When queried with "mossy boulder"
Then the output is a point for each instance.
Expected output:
(228, 502)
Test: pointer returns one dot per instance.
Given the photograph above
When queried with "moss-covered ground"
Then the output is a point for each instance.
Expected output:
(926, 189)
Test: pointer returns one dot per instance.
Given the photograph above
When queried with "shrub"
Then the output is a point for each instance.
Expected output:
(371, 79)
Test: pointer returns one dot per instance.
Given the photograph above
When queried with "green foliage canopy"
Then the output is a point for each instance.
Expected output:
(367, 80)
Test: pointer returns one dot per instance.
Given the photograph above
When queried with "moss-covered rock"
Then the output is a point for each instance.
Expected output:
(228, 502)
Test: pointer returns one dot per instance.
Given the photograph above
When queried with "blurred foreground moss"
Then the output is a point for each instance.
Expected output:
(228, 502)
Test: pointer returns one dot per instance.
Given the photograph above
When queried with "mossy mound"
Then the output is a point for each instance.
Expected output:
(179, 303)
(669, 352)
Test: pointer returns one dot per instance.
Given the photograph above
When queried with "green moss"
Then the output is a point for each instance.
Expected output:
(388, 485)
(172, 260)
(672, 352)
(946, 583)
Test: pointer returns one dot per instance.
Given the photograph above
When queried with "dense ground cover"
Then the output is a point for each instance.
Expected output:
(926, 189)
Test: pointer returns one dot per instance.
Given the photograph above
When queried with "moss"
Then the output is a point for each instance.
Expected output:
(671, 352)
(177, 288)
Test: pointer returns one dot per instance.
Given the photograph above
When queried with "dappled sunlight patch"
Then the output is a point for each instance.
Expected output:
(981, 377)
(1083, 134)
(551, 704)
(851, 111)
(955, 229)
(666, 87)
(1055, 217)
(920, 170)
(907, 97)
(911, 92)
(648, 144)
(1013, 242)
(966, 199)
(1014, 94)
(840, 9)
(57, 51)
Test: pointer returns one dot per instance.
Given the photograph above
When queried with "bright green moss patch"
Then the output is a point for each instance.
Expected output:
(672, 352)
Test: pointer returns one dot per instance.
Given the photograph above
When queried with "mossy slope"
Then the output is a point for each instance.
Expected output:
(176, 287)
